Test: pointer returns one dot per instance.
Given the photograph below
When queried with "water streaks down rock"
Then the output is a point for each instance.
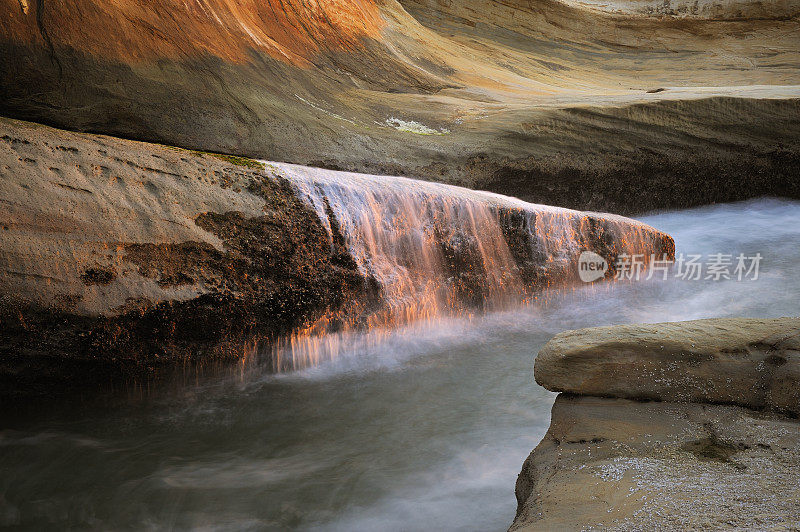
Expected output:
(435, 249)
(118, 258)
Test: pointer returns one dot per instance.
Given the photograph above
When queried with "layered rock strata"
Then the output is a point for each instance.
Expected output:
(711, 441)
(648, 106)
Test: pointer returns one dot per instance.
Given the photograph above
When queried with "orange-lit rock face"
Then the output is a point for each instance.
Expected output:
(135, 30)
(435, 251)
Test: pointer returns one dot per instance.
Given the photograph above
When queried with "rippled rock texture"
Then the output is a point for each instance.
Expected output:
(118, 258)
(683, 456)
(622, 107)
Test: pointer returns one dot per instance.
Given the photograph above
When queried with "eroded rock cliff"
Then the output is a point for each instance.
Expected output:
(612, 108)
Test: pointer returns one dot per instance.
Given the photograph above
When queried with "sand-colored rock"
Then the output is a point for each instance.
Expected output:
(615, 464)
(553, 103)
(677, 463)
(748, 362)
(118, 258)
(76, 203)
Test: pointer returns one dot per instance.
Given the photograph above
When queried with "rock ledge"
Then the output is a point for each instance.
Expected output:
(673, 426)
(748, 362)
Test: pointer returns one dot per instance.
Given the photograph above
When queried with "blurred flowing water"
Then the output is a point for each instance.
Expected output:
(423, 427)
(438, 250)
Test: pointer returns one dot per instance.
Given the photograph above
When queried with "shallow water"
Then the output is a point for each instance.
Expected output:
(424, 428)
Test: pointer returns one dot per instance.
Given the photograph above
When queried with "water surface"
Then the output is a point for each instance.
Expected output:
(425, 428)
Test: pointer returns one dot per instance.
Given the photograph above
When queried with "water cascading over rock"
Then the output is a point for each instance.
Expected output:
(432, 250)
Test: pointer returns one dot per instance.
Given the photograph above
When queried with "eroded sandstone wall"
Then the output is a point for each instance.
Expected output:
(555, 103)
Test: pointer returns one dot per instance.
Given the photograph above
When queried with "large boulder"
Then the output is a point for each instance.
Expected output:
(121, 258)
(748, 362)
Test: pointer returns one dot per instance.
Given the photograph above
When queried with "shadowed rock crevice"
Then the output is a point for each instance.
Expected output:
(647, 180)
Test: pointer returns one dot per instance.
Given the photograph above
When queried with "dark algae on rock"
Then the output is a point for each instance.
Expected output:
(197, 285)
(137, 257)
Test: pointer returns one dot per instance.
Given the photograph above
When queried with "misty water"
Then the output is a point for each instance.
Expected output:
(425, 428)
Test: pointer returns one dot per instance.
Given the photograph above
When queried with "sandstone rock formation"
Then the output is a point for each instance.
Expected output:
(748, 362)
(675, 461)
(616, 464)
(119, 258)
(622, 107)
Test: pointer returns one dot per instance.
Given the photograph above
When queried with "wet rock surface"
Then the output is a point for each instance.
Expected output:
(119, 258)
(671, 459)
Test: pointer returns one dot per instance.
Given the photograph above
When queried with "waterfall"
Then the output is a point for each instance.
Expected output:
(435, 250)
